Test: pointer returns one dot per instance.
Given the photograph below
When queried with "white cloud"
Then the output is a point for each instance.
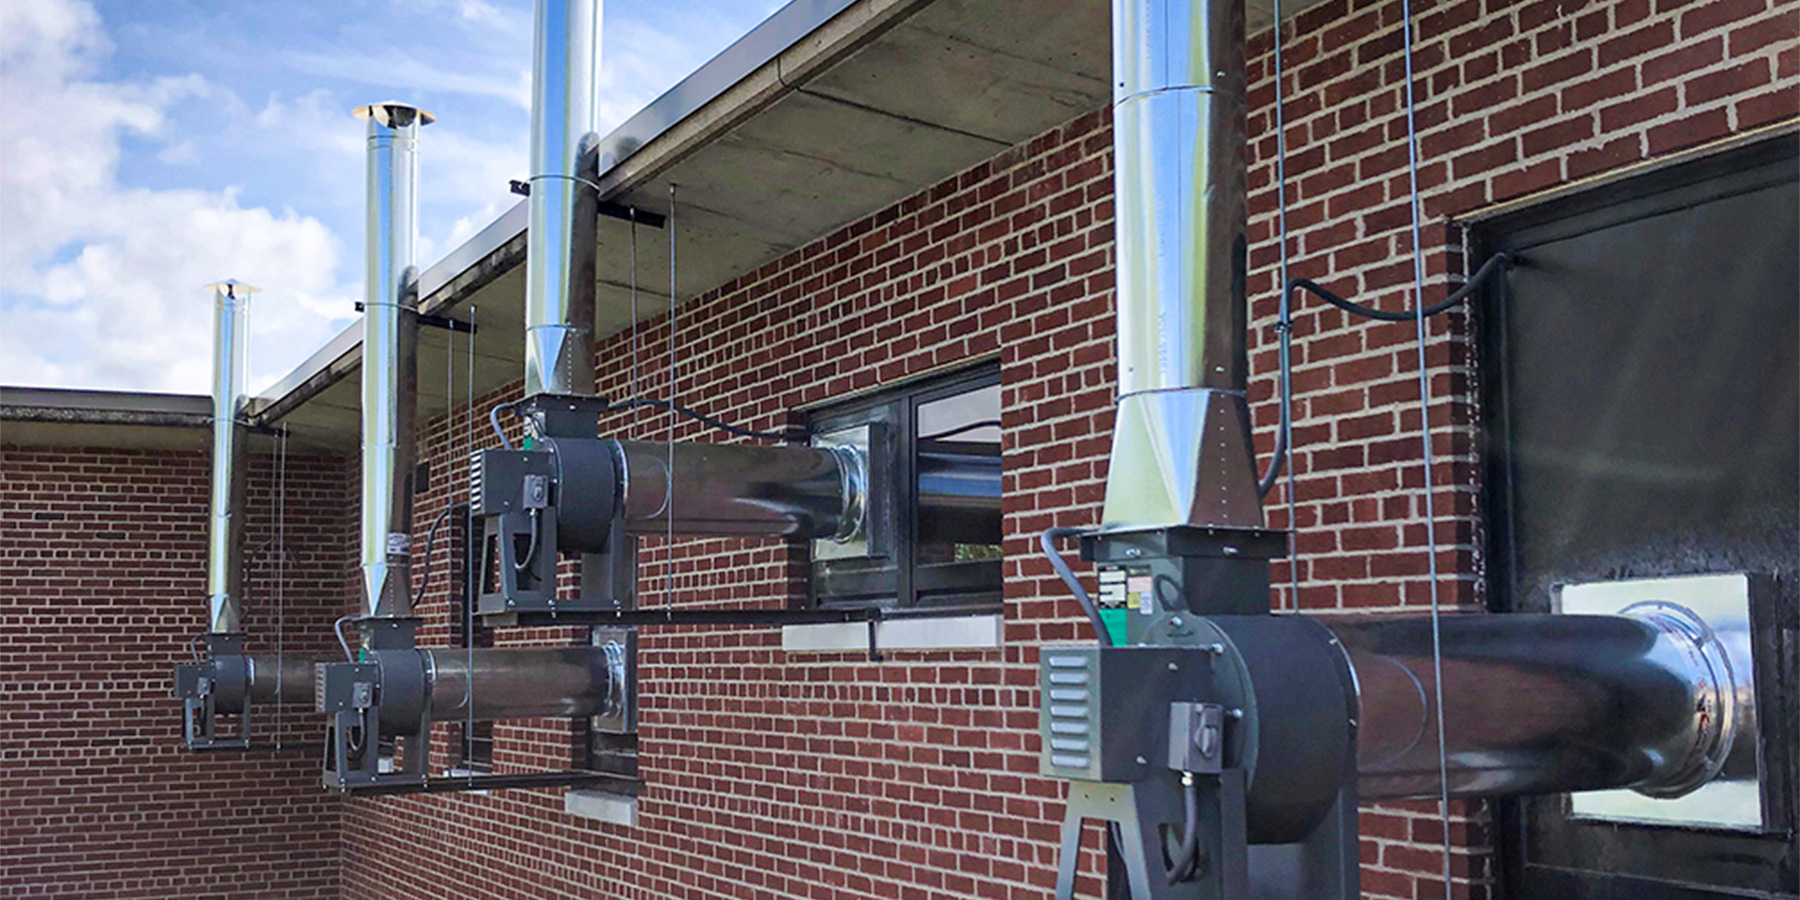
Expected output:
(121, 195)
(100, 283)
(395, 66)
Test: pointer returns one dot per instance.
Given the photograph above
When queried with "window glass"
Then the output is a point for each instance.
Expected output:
(956, 477)
(933, 525)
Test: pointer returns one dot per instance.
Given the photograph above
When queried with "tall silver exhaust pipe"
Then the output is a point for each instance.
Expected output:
(390, 348)
(564, 203)
(225, 538)
(1181, 450)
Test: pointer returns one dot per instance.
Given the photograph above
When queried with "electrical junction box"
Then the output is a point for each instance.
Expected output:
(1104, 712)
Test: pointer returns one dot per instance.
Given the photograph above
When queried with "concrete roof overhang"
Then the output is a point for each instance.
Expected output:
(127, 419)
(826, 112)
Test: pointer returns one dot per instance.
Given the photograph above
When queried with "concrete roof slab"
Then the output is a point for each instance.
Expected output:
(829, 110)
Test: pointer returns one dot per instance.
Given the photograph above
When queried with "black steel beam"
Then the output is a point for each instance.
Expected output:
(447, 784)
(607, 208)
(665, 616)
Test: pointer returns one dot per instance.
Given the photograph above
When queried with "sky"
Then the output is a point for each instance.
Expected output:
(150, 147)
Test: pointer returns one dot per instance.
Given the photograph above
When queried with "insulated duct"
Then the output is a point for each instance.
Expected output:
(1181, 450)
(1544, 703)
(390, 347)
(400, 693)
(225, 538)
(564, 201)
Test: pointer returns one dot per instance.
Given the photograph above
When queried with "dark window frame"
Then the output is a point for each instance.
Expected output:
(973, 586)
(1728, 173)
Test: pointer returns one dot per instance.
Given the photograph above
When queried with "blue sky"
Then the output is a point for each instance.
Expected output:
(148, 147)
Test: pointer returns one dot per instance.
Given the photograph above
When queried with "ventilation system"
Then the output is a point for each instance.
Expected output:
(1227, 747)
(382, 704)
(219, 691)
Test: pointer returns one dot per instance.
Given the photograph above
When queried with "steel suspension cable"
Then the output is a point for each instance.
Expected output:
(1418, 261)
(280, 572)
(674, 396)
(471, 575)
(1285, 436)
(636, 414)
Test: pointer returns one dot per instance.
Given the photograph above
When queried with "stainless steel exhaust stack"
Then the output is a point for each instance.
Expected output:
(564, 203)
(390, 348)
(1181, 443)
(225, 539)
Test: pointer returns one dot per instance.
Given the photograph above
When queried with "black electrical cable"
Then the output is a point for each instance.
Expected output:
(1187, 861)
(1285, 326)
(1369, 312)
(494, 419)
(962, 429)
(1047, 540)
(531, 549)
(702, 418)
(337, 628)
(430, 543)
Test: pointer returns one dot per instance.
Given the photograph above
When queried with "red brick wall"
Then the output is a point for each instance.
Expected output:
(822, 775)
(102, 583)
(819, 775)
(1512, 98)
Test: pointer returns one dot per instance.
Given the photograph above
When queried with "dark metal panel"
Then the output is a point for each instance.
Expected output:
(1643, 419)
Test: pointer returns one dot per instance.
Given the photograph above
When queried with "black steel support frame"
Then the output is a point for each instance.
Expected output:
(445, 322)
(760, 618)
(608, 209)
(447, 784)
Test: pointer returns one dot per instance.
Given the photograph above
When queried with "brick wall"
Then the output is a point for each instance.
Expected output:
(824, 775)
(1511, 98)
(102, 583)
(819, 775)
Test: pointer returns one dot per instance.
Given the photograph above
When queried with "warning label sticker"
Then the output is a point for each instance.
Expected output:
(1138, 594)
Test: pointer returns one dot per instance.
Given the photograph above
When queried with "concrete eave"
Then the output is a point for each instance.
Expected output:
(120, 419)
(826, 112)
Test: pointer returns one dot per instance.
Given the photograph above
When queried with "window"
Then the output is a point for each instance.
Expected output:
(932, 527)
(1643, 420)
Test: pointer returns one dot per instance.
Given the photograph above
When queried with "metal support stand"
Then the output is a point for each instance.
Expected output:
(1323, 866)
(1141, 809)
(518, 496)
(352, 696)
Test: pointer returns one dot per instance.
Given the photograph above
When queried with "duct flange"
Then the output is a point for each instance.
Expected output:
(1706, 621)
